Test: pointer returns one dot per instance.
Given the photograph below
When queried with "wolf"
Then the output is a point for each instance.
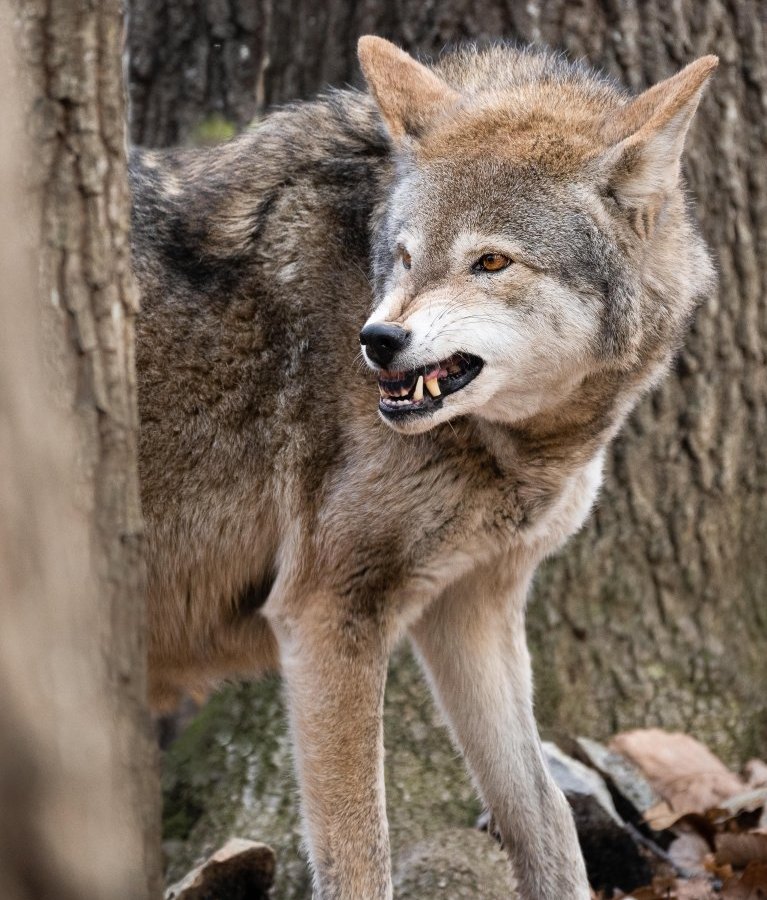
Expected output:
(385, 339)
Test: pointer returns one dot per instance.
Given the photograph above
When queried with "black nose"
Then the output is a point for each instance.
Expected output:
(383, 342)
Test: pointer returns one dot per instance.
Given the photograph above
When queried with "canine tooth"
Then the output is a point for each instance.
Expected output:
(418, 392)
(432, 386)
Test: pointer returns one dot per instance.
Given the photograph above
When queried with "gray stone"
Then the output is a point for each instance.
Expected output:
(576, 780)
(612, 857)
(621, 774)
(454, 864)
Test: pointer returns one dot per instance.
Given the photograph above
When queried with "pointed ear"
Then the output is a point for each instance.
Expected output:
(649, 135)
(408, 94)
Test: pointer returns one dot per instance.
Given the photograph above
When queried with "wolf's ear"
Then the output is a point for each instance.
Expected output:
(649, 135)
(408, 94)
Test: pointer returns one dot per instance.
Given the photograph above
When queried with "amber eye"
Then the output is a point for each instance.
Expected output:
(407, 260)
(491, 262)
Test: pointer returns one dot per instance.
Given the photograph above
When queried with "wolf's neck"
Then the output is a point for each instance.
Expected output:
(562, 439)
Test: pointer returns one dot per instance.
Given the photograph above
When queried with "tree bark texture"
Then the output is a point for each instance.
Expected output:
(656, 613)
(70, 55)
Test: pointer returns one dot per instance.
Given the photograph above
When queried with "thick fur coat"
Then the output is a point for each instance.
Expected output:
(511, 231)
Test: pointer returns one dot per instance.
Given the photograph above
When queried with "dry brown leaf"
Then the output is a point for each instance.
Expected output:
(741, 849)
(661, 816)
(750, 885)
(722, 872)
(684, 772)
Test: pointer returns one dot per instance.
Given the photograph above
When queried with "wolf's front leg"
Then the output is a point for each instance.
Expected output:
(472, 644)
(335, 674)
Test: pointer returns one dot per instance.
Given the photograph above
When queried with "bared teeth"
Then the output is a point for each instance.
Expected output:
(432, 386)
(418, 392)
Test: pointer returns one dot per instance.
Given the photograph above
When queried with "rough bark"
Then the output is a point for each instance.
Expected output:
(85, 605)
(195, 68)
(655, 613)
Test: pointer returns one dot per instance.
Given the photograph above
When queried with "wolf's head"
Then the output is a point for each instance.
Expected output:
(535, 237)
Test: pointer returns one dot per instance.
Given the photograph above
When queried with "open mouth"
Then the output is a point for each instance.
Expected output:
(422, 390)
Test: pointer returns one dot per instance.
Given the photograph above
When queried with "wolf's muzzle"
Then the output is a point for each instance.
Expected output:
(383, 342)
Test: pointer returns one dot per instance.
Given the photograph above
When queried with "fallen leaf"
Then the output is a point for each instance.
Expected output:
(661, 816)
(741, 849)
(722, 872)
(751, 885)
(681, 770)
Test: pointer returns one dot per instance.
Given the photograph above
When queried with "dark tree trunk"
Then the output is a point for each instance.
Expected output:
(656, 612)
(83, 808)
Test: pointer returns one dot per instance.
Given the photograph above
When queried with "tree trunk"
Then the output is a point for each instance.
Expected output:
(655, 613)
(195, 68)
(72, 554)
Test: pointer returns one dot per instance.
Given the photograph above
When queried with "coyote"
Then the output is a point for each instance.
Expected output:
(385, 340)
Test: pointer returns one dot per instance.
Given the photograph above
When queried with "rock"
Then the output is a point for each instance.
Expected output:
(612, 857)
(240, 870)
(576, 780)
(689, 853)
(632, 793)
(454, 864)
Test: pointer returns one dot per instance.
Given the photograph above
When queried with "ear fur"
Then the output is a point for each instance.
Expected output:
(408, 94)
(649, 135)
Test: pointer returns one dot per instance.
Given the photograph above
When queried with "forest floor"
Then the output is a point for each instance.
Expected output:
(659, 816)
(704, 835)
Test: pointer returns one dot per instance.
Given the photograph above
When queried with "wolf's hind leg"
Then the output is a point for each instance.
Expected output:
(335, 674)
(472, 645)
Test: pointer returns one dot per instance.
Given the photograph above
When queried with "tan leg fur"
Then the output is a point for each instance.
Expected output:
(473, 648)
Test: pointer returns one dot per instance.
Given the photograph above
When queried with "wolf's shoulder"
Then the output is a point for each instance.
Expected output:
(201, 211)
(291, 140)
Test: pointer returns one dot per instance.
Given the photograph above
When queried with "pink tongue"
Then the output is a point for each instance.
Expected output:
(436, 372)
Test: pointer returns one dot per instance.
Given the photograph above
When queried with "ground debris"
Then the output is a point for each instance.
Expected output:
(683, 772)
(717, 818)
(240, 870)
(613, 857)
